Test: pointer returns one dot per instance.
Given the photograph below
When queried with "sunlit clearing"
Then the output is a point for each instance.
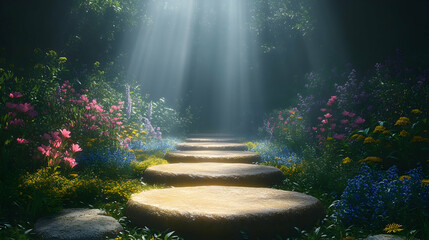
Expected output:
(203, 54)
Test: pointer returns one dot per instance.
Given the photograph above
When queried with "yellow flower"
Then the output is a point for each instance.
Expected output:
(403, 133)
(347, 160)
(348, 238)
(379, 129)
(371, 159)
(358, 136)
(299, 117)
(329, 138)
(403, 177)
(393, 228)
(62, 60)
(403, 121)
(416, 111)
(419, 139)
(386, 132)
(369, 140)
(425, 181)
(73, 175)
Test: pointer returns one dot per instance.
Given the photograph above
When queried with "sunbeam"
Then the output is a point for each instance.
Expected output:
(202, 53)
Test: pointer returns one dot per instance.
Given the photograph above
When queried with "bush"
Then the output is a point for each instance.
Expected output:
(139, 167)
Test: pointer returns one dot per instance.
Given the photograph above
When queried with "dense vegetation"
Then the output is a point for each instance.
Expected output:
(75, 131)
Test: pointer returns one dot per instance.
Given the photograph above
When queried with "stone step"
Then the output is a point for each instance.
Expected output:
(232, 140)
(219, 146)
(221, 212)
(77, 223)
(225, 174)
(212, 156)
(210, 135)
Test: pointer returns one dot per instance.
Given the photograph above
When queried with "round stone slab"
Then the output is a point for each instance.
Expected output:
(221, 212)
(233, 140)
(212, 156)
(225, 174)
(200, 146)
(77, 224)
(210, 135)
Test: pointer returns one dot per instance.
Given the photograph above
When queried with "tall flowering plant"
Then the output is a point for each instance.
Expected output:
(91, 123)
(286, 127)
(59, 148)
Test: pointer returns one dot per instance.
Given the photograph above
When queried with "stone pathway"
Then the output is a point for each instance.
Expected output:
(217, 197)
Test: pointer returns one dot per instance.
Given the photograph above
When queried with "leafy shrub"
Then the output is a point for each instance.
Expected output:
(139, 167)
(153, 146)
(404, 142)
(382, 197)
(274, 153)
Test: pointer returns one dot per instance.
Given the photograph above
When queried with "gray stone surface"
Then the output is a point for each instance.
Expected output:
(384, 237)
(77, 224)
(198, 146)
(225, 174)
(212, 156)
(221, 212)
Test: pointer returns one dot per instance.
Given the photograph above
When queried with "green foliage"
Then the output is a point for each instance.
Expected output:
(139, 167)
(275, 20)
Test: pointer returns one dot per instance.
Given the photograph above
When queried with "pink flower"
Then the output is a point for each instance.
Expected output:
(118, 123)
(45, 150)
(333, 125)
(65, 133)
(76, 148)
(322, 130)
(22, 141)
(17, 122)
(323, 109)
(11, 105)
(320, 118)
(84, 98)
(15, 95)
(328, 115)
(118, 114)
(55, 136)
(325, 121)
(24, 107)
(314, 128)
(359, 120)
(121, 103)
(352, 114)
(71, 161)
(339, 136)
(344, 121)
(345, 113)
(56, 143)
(12, 114)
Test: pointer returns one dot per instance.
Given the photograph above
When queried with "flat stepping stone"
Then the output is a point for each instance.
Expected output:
(201, 146)
(77, 224)
(212, 156)
(225, 174)
(233, 140)
(210, 135)
(385, 237)
(221, 212)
